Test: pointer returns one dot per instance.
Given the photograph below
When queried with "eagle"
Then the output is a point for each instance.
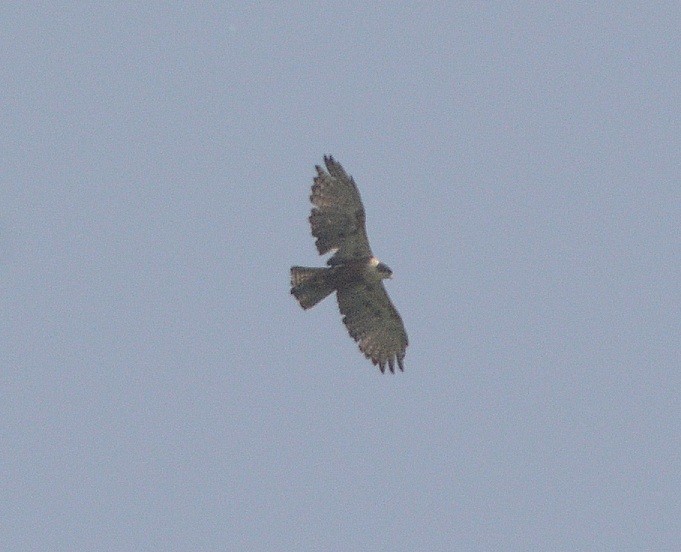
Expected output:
(337, 222)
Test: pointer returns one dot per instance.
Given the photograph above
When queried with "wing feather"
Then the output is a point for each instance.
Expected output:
(337, 218)
(374, 323)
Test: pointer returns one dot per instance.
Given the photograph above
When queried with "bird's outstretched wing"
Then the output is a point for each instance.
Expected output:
(374, 323)
(337, 218)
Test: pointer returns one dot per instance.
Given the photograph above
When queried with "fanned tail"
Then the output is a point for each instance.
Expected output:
(310, 285)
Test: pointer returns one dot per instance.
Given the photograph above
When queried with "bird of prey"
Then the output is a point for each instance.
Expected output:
(353, 272)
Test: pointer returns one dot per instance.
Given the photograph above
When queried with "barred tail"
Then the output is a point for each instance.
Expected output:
(310, 285)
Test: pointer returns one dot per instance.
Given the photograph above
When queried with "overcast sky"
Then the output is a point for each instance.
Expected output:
(520, 168)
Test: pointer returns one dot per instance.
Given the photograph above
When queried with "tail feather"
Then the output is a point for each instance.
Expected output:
(310, 285)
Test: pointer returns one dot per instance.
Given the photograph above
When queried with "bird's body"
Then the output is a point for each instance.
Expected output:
(311, 285)
(355, 275)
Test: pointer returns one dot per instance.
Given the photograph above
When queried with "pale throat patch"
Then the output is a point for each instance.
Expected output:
(374, 262)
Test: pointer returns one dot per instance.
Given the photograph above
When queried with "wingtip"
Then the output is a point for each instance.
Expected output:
(330, 162)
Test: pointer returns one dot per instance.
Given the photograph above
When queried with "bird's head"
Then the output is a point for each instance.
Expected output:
(384, 270)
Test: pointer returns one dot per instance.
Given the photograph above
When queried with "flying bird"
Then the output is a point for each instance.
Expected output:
(337, 222)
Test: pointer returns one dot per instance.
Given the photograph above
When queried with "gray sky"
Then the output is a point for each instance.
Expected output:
(520, 168)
